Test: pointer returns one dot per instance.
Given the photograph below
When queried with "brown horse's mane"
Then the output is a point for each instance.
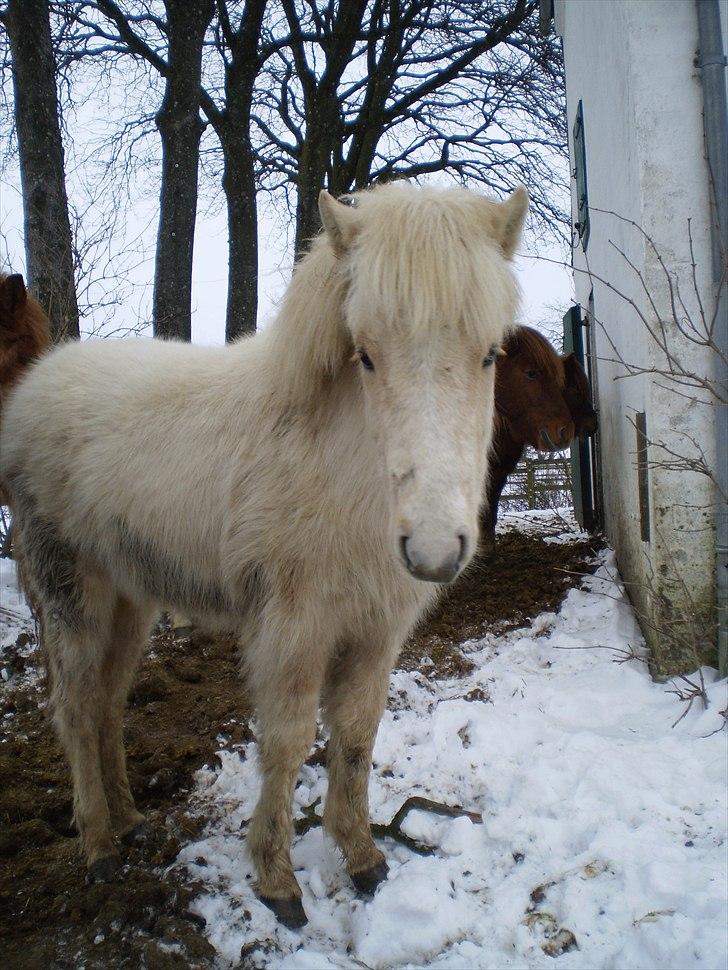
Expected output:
(527, 341)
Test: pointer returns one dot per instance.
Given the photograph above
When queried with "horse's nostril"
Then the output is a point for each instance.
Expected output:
(564, 435)
(403, 540)
(463, 548)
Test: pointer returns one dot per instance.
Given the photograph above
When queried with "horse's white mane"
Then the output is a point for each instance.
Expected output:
(427, 258)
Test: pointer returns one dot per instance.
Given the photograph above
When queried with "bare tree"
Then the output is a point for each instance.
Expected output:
(48, 244)
(377, 89)
(239, 46)
(298, 94)
(180, 128)
(178, 121)
(225, 102)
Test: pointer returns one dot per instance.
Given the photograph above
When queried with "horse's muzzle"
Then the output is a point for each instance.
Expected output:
(563, 437)
(421, 566)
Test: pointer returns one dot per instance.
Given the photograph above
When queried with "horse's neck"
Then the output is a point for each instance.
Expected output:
(507, 448)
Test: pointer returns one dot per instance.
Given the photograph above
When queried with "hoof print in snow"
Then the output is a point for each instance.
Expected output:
(539, 893)
(557, 940)
(562, 942)
(289, 912)
(367, 880)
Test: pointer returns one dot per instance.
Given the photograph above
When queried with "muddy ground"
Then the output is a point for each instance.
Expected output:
(185, 699)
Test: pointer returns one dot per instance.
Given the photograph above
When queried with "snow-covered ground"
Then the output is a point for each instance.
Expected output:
(16, 621)
(604, 827)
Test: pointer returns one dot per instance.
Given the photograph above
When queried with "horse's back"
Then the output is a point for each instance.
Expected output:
(120, 431)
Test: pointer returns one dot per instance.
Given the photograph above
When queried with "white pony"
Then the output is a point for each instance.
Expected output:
(309, 486)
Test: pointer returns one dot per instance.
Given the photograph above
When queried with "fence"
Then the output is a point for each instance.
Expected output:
(539, 483)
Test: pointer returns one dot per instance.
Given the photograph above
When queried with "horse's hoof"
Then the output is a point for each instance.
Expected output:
(103, 870)
(290, 911)
(137, 835)
(367, 880)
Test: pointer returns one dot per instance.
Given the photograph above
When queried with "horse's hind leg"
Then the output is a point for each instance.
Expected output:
(76, 609)
(128, 633)
(355, 692)
(74, 650)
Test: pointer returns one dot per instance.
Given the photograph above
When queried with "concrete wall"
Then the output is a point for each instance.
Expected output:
(632, 64)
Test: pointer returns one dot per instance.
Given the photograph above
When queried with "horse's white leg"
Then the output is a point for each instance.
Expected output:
(355, 693)
(285, 672)
(76, 608)
(74, 652)
(130, 627)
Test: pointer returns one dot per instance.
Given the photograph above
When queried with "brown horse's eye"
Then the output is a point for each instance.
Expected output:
(366, 360)
(532, 375)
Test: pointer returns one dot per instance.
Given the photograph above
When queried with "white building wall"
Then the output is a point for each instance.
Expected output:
(632, 65)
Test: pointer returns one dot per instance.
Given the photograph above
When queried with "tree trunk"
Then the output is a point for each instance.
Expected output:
(312, 166)
(48, 245)
(238, 182)
(180, 128)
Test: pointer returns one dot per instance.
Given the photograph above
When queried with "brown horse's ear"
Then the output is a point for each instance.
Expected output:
(13, 295)
(508, 218)
(340, 222)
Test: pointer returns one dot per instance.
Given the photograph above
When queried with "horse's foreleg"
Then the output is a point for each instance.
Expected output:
(354, 697)
(128, 634)
(286, 691)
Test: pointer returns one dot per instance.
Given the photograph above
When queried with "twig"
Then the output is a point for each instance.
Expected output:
(690, 695)
(394, 829)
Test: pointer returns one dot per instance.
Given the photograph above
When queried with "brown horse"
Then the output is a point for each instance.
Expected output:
(24, 332)
(542, 400)
(24, 336)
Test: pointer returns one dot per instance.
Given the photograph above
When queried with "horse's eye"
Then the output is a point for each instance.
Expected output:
(532, 375)
(490, 358)
(366, 360)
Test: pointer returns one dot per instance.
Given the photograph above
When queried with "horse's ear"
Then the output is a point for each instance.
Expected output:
(13, 295)
(340, 222)
(508, 219)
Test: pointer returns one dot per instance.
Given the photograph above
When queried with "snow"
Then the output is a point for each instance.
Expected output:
(604, 827)
(15, 619)
(16, 616)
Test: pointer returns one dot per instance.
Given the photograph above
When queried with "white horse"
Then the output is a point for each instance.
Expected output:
(310, 486)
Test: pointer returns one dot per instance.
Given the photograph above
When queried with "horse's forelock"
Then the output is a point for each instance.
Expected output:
(427, 257)
(530, 343)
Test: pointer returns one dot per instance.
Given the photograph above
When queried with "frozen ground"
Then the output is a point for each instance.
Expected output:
(603, 843)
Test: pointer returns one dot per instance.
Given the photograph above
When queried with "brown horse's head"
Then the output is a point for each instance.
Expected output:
(529, 392)
(577, 394)
(24, 330)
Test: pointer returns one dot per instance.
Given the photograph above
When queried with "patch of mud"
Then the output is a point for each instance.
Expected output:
(498, 592)
(186, 696)
(186, 702)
